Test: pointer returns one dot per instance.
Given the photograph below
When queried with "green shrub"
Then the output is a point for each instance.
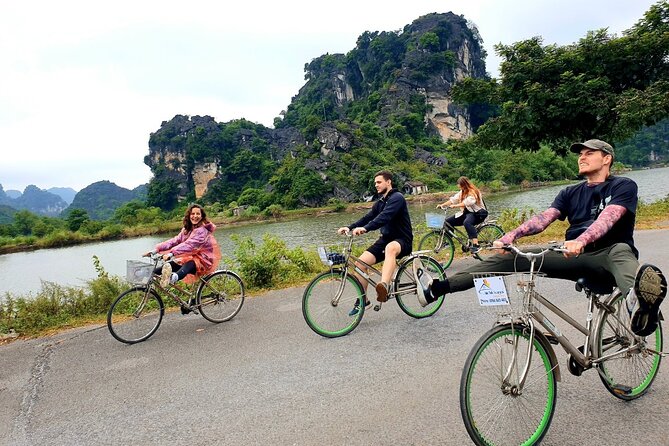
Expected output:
(272, 262)
(111, 231)
(337, 204)
(274, 210)
(259, 265)
(511, 218)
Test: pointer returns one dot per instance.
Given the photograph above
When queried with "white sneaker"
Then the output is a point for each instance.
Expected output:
(166, 275)
(423, 285)
(174, 278)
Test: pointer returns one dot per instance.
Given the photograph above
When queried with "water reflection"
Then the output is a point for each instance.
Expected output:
(21, 273)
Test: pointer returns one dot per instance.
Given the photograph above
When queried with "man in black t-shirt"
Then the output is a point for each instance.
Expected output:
(390, 215)
(599, 241)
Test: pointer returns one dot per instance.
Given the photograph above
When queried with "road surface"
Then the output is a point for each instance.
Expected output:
(265, 378)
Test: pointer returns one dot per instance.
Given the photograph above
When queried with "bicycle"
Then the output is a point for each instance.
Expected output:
(330, 296)
(442, 236)
(137, 313)
(508, 387)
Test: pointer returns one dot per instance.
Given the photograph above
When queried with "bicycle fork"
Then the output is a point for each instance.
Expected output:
(518, 389)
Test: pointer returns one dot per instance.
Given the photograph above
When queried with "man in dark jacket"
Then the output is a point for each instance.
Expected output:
(391, 215)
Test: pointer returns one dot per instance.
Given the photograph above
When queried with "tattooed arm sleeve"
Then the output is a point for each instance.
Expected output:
(605, 221)
(532, 226)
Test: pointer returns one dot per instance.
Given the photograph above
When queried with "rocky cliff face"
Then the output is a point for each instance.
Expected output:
(195, 151)
(402, 78)
(438, 51)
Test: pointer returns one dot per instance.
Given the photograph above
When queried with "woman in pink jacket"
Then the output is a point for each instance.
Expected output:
(193, 252)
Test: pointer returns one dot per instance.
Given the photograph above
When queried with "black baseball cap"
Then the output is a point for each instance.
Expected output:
(594, 144)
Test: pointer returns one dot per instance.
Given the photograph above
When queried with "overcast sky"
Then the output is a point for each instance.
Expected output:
(84, 83)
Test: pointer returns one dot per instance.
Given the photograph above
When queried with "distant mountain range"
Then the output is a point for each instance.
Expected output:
(99, 199)
(65, 193)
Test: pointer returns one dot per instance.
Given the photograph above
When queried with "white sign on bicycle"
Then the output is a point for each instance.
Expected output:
(491, 291)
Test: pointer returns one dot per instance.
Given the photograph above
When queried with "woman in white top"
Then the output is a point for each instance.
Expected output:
(473, 210)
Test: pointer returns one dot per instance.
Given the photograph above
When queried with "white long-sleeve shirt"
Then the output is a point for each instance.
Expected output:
(469, 201)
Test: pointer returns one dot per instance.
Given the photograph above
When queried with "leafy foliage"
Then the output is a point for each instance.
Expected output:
(603, 86)
(272, 262)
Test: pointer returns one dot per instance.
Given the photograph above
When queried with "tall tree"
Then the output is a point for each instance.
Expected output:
(603, 86)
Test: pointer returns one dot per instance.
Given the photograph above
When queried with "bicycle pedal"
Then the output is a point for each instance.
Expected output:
(621, 390)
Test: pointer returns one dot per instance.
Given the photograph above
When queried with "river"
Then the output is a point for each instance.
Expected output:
(21, 273)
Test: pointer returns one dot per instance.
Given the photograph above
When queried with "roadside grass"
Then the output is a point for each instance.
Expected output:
(263, 267)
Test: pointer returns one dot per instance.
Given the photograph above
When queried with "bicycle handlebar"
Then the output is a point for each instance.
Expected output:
(530, 255)
(155, 256)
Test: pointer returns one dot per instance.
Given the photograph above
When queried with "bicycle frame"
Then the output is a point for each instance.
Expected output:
(154, 283)
(459, 234)
(593, 322)
(352, 262)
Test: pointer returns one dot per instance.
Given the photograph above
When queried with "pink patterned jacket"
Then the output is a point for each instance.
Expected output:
(198, 245)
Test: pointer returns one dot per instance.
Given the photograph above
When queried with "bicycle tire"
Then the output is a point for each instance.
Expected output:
(330, 319)
(627, 376)
(127, 326)
(486, 235)
(220, 296)
(443, 252)
(492, 413)
(405, 287)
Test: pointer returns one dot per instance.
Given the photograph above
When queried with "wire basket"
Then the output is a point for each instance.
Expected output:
(330, 258)
(137, 272)
(507, 294)
(435, 221)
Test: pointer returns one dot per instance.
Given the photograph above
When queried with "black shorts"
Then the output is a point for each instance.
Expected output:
(378, 249)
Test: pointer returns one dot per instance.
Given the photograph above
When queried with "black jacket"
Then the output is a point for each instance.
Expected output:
(391, 215)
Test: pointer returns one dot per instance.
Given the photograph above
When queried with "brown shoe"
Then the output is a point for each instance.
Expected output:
(381, 292)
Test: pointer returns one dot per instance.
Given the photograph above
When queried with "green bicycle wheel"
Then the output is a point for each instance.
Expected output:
(406, 289)
(328, 300)
(495, 410)
(487, 234)
(628, 375)
(443, 248)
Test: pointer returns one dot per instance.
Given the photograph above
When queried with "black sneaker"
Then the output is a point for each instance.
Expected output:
(356, 307)
(650, 287)
(186, 310)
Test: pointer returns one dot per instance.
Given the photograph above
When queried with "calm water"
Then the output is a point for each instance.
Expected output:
(22, 273)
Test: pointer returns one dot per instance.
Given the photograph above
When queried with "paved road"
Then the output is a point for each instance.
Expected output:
(265, 378)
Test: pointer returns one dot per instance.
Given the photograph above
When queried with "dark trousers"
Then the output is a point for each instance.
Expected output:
(469, 220)
(614, 265)
(181, 270)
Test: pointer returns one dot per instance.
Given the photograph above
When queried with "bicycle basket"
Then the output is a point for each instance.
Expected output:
(506, 293)
(330, 258)
(138, 272)
(435, 221)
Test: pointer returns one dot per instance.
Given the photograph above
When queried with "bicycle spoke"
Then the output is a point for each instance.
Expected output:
(135, 315)
(405, 289)
(220, 296)
(327, 317)
(497, 411)
(632, 366)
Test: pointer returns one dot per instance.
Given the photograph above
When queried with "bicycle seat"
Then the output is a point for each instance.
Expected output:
(598, 286)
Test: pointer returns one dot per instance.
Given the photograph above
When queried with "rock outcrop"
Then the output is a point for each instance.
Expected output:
(402, 81)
